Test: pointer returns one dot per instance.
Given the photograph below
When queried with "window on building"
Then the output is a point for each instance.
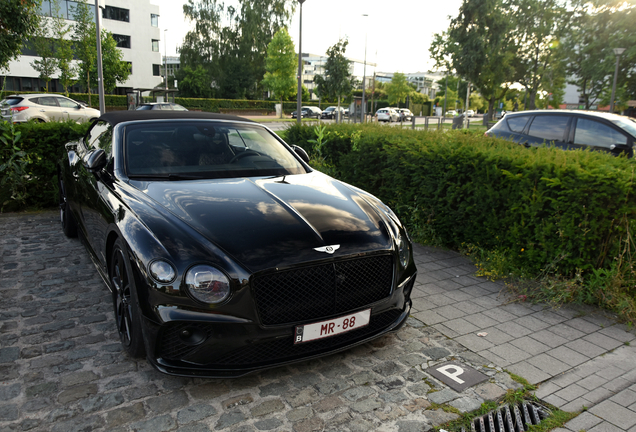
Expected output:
(130, 67)
(154, 20)
(156, 70)
(155, 45)
(115, 13)
(123, 41)
(64, 8)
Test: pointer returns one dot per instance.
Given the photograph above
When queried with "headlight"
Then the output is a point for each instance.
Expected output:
(403, 250)
(207, 284)
(162, 271)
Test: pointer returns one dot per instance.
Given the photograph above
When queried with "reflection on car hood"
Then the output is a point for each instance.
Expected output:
(275, 222)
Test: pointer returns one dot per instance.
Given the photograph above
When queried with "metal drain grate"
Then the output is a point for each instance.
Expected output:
(510, 418)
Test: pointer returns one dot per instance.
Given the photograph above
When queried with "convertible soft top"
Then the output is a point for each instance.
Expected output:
(124, 116)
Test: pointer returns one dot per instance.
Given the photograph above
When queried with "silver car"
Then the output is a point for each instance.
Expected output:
(45, 108)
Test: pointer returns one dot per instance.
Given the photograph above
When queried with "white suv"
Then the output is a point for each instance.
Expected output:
(44, 108)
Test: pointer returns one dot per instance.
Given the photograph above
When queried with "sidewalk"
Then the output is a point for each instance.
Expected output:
(579, 356)
(62, 368)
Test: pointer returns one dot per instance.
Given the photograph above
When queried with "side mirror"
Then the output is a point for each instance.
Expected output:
(95, 161)
(301, 152)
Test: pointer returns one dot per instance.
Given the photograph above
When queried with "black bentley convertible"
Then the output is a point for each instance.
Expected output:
(224, 251)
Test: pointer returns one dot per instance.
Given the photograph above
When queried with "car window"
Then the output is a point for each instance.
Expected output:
(145, 107)
(100, 137)
(548, 127)
(178, 108)
(65, 103)
(627, 124)
(47, 101)
(12, 101)
(205, 149)
(593, 133)
(518, 123)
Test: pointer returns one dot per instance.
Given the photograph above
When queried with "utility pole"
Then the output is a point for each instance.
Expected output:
(100, 71)
(300, 70)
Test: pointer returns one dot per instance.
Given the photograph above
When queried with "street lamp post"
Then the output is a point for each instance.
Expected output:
(300, 70)
(100, 71)
(364, 79)
(618, 52)
(165, 58)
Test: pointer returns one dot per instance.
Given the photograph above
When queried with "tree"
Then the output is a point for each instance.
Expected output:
(85, 33)
(18, 21)
(480, 47)
(540, 24)
(64, 51)
(194, 82)
(337, 80)
(44, 46)
(598, 27)
(231, 42)
(280, 77)
(398, 89)
(115, 70)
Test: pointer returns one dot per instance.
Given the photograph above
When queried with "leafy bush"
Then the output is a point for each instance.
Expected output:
(42, 145)
(540, 208)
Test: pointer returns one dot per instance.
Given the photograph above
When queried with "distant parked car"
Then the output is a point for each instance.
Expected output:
(451, 113)
(568, 130)
(387, 115)
(308, 112)
(44, 108)
(332, 112)
(470, 113)
(405, 114)
(165, 106)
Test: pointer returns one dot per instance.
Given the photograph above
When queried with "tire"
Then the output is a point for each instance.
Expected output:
(125, 303)
(69, 225)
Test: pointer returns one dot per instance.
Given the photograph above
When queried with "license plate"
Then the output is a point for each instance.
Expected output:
(333, 327)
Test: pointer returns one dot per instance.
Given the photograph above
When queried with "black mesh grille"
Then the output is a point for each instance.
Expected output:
(321, 291)
(285, 349)
(172, 346)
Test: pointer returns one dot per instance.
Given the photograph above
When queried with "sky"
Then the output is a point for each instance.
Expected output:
(397, 33)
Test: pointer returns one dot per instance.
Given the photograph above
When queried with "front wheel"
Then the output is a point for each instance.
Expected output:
(69, 225)
(127, 315)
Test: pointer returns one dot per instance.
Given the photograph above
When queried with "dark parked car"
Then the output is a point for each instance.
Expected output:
(569, 130)
(166, 106)
(224, 251)
(308, 112)
(332, 112)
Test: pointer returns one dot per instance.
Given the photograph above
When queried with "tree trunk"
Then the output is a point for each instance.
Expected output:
(338, 121)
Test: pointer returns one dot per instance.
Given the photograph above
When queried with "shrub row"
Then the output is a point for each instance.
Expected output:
(544, 208)
(42, 144)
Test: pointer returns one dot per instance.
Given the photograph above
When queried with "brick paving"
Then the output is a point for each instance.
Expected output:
(62, 368)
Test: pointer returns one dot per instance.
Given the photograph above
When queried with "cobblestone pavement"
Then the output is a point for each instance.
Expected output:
(62, 369)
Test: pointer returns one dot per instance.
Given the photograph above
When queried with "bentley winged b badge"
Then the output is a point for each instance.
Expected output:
(328, 249)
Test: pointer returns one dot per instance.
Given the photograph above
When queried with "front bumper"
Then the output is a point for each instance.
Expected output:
(228, 348)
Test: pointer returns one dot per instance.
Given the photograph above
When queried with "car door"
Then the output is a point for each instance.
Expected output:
(70, 110)
(548, 129)
(598, 135)
(49, 108)
(92, 188)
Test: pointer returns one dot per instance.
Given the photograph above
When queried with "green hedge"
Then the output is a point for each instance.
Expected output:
(43, 144)
(543, 207)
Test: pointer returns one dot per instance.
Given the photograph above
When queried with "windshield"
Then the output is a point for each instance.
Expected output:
(205, 149)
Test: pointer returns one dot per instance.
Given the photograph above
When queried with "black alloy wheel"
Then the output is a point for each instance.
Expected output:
(69, 225)
(125, 305)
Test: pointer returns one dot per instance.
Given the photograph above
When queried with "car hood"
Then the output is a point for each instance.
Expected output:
(276, 222)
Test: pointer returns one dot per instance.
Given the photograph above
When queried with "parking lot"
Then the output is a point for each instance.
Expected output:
(62, 368)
